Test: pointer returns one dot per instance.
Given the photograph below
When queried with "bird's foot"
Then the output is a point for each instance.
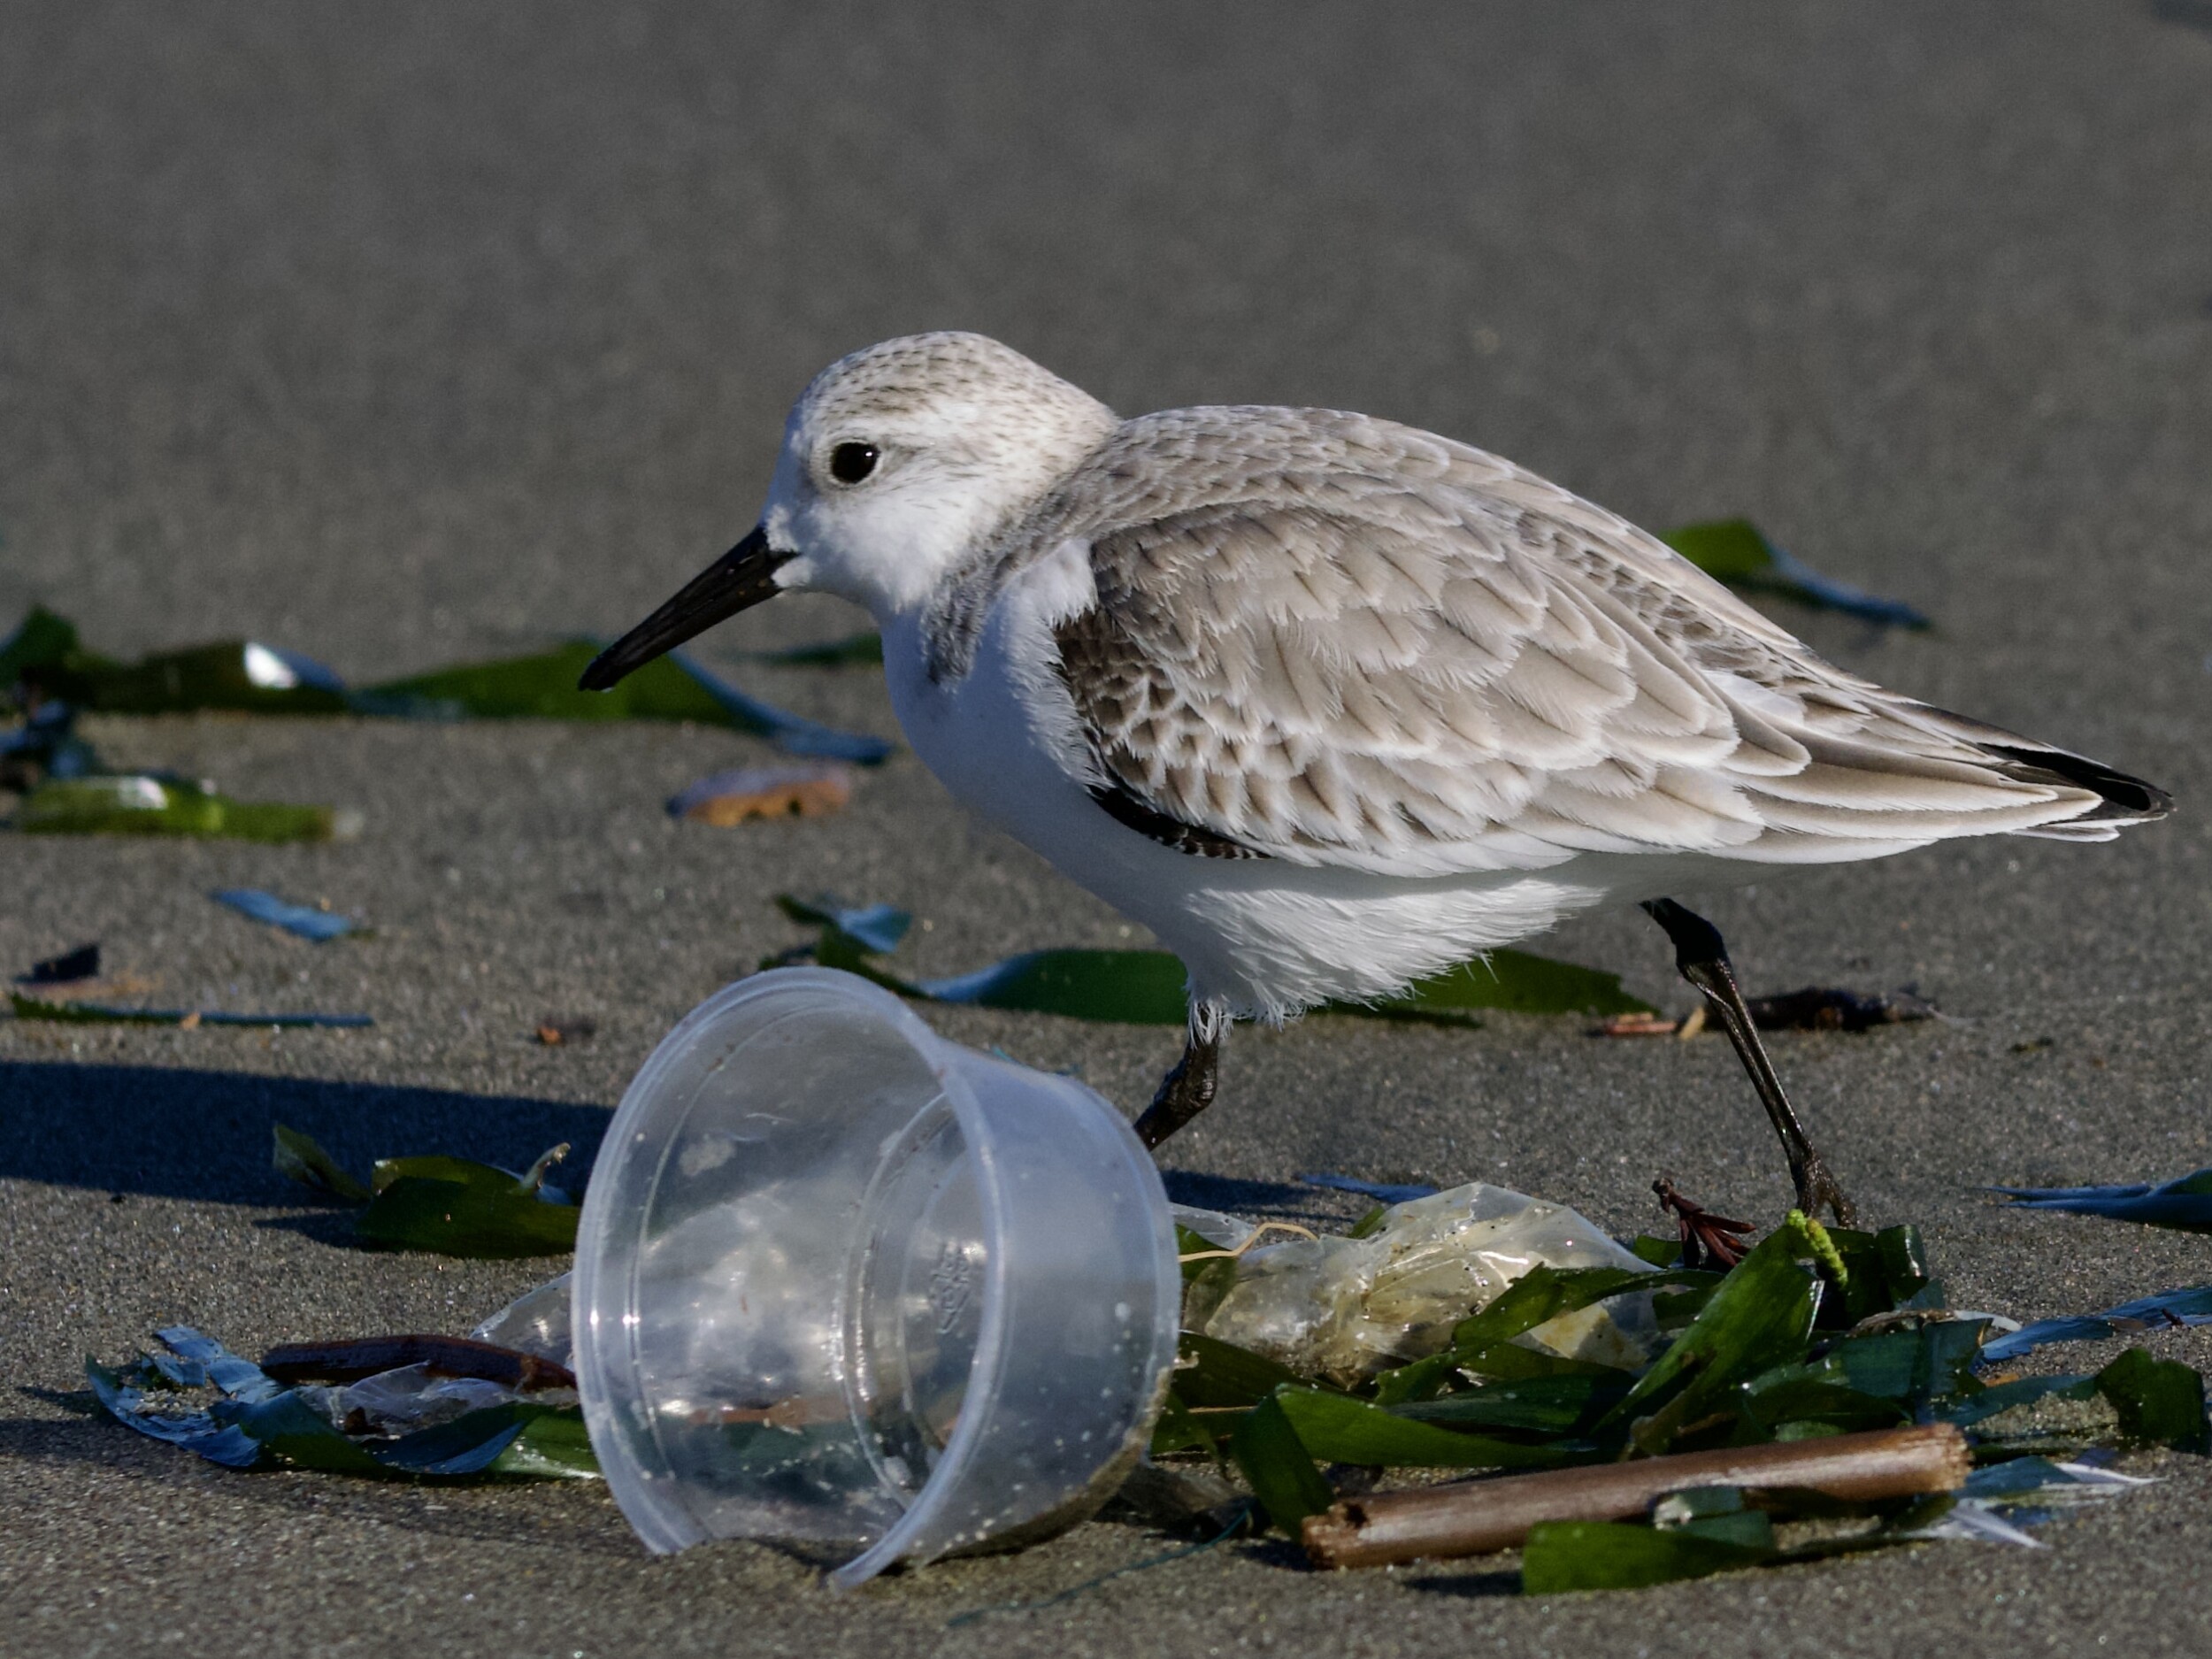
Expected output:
(1816, 1190)
(1184, 1093)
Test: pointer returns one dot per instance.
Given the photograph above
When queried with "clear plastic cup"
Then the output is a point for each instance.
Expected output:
(839, 1280)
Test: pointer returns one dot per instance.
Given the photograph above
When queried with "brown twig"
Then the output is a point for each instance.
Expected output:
(1474, 1517)
(351, 1360)
(1827, 1008)
(1709, 1241)
(1252, 1239)
(1815, 1007)
(1637, 1024)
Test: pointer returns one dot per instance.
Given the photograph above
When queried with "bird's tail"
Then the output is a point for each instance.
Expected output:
(2112, 800)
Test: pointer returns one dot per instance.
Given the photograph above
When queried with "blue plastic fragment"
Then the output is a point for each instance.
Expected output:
(876, 927)
(240, 1379)
(1384, 1191)
(2191, 1306)
(112, 1013)
(2183, 1204)
(303, 920)
(322, 1022)
(205, 1361)
(195, 1430)
(1841, 595)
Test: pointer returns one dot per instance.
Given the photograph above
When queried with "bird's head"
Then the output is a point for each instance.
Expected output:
(897, 461)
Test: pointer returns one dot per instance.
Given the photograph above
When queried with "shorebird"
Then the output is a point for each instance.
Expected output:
(1329, 704)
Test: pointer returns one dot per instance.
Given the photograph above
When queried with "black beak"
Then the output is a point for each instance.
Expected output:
(740, 578)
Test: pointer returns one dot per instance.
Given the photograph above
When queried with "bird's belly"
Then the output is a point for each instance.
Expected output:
(1267, 937)
(1289, 938)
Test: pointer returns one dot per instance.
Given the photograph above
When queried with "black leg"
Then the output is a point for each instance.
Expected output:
(1702, 958)
(1189, 1089)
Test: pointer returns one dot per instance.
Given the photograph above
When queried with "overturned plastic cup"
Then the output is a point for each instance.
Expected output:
(840, 1280)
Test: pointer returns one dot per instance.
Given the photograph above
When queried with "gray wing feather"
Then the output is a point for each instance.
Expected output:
(1325, 638)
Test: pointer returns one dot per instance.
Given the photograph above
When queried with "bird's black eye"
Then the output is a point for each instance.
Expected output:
(849, 463)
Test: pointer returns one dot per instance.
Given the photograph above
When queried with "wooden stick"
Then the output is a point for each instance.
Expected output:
(356, 1357)
(1474, 1517)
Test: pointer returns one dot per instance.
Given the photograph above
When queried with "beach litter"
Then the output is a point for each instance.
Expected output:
(1738, 553)
(89, 1013)
(730, 798)
(2183, 1204)
(318, 923)
(448, 1206)
(840, 1281)
(70, 967)
(1387, 1191)
(419, 1420)
(1344, 1309)
(147, 804)
(1815, 1008)
(44, 666)
(2170, 1310)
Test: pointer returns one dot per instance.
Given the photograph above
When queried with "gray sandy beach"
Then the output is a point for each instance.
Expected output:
(410, 335)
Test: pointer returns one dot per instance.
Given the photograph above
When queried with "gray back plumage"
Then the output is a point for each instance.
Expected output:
(1327, 638)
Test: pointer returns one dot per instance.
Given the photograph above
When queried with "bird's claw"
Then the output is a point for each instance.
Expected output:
(1816, 1190)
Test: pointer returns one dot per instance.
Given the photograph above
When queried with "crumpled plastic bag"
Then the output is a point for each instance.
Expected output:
(536, 1322)
(1346, 1309)
(410, 1397)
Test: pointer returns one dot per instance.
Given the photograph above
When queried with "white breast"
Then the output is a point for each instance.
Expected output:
(1266, 937)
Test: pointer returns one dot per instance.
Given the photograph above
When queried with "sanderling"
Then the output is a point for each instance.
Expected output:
(1329, 704)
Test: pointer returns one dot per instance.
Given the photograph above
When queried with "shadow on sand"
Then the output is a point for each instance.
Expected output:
(1261, 1200)
(164, 1133)
(170, 1133)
